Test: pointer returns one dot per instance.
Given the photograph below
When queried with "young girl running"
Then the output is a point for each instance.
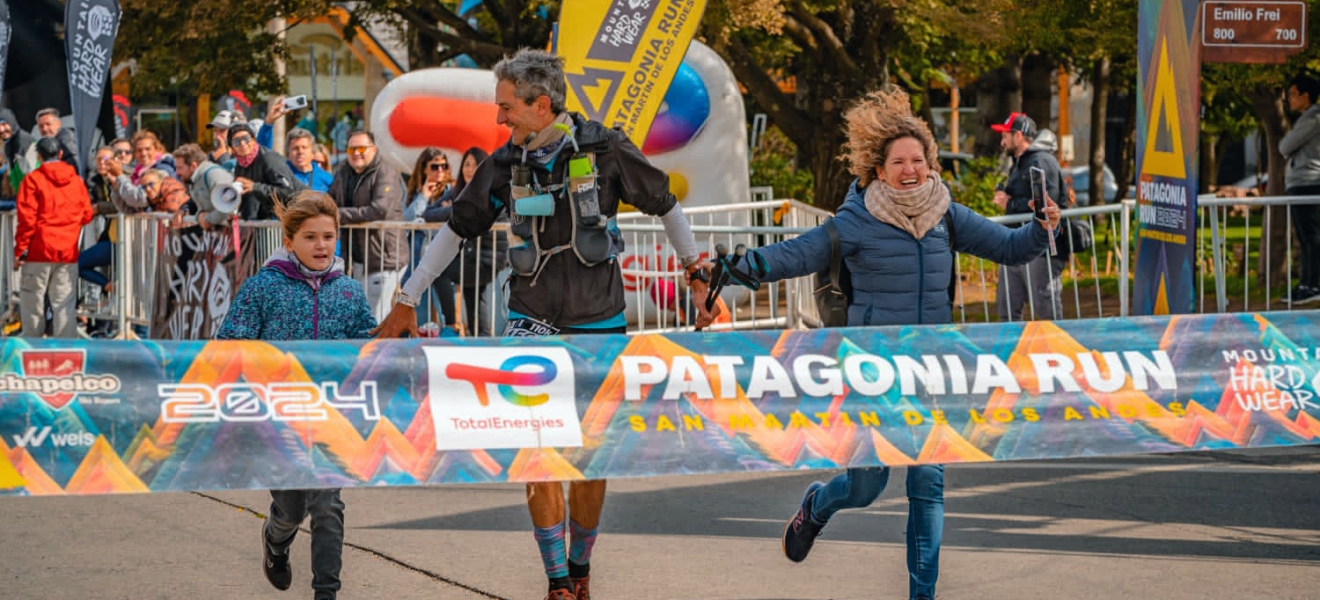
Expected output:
(301, 293)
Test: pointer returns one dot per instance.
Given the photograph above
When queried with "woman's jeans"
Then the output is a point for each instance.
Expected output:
(93, 258)
(858, 488)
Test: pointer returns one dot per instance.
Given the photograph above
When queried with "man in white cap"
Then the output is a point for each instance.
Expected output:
(219, 127)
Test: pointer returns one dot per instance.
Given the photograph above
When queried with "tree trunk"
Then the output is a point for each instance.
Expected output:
(1268, 106)
(1099, 113)
(998, 92)
(423, 49)
(1209, 162)
(1127, 154)
(1038, 89)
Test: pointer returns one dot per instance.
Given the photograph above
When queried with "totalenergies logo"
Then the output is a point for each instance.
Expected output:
(537, 384)
(518, 371)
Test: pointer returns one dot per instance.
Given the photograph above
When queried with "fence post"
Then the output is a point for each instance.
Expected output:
(1217, 252)
(122, 284)
(1124, 217)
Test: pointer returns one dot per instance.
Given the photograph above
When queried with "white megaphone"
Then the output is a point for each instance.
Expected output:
(227, 198)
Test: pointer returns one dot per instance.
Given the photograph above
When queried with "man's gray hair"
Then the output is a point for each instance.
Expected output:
(534, 73)
(298, 133)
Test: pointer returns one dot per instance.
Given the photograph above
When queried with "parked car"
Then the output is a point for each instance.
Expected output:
(1081, 182)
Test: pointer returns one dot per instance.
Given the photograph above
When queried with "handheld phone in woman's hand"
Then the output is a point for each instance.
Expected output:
(1037, 176)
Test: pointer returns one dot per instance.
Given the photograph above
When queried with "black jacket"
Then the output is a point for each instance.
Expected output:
(270, 176)
(567, 292)
(1018, 184)
(1018, 188)
(374, 195)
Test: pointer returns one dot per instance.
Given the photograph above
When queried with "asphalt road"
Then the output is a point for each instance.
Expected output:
(1170, 527)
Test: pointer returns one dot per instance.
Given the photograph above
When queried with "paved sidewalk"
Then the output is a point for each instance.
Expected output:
(1176, 527)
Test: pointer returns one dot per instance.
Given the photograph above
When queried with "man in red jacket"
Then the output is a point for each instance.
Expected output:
(53, 206)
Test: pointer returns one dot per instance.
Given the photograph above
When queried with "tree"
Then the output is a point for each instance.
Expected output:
(438, 33)
(212, 46)
(207, 47)
(836, 51)
(1263, 86)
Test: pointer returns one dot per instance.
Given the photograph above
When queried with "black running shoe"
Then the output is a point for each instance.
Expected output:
(1304, 294)
(802, 530)
(275, 566)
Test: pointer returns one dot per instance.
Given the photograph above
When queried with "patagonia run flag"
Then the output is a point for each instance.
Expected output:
(90, 27)
(621, 55)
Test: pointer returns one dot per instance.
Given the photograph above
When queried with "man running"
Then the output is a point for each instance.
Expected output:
(563, 251)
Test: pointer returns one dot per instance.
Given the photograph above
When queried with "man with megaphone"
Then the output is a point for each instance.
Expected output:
(207, 183)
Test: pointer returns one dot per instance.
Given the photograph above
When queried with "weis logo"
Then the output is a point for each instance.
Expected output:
(56, 376)
(34, 437)
(536, 384)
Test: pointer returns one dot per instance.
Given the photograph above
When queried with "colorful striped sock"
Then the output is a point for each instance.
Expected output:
(579, 549)
(551, 542)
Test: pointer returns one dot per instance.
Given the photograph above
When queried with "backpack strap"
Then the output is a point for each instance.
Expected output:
(836, 255)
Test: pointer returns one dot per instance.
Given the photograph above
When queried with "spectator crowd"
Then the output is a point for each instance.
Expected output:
(66, 227)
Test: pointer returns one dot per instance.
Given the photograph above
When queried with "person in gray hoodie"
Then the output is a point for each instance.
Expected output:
(1301, 148)
(202, 177)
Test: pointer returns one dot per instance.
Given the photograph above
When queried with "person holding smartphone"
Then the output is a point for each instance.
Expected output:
(1033, 288)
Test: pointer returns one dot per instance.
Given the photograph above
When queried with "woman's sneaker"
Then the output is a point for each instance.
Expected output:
(802, 530)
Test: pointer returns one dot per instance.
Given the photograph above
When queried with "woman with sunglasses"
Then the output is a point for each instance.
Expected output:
(428, 186)
(262, 173)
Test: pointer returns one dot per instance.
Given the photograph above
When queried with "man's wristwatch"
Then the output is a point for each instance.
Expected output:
(407, 300)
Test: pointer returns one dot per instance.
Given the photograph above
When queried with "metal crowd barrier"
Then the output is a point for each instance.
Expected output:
(657, 295)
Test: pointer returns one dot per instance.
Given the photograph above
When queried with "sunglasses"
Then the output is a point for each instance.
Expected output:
(358, 150)
(438, 166)
(240, 140)
(123, 153)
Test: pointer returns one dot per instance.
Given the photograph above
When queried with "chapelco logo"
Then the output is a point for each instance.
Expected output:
(536, 385)
(56, 376)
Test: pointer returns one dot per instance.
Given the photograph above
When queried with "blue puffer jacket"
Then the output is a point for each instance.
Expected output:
(897, 279)
(280, 302)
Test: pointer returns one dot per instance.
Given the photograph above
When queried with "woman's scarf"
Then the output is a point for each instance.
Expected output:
(140, 169)
(915, 211)
(246, 161)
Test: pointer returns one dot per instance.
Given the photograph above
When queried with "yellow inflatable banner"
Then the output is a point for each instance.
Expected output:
(621, 55)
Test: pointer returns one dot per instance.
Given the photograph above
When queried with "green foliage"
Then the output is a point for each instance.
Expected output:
(975, 189)
(773, 165)
(206, 47)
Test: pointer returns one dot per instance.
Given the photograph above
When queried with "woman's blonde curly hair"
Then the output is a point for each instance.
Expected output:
(874, 123)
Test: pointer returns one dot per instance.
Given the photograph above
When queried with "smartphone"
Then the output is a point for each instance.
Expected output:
(295, 102)
(1037, 176)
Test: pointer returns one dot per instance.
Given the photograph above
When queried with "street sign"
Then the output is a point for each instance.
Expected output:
(1266, 31)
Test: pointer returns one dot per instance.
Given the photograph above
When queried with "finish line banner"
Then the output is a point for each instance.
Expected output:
(102, 417)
